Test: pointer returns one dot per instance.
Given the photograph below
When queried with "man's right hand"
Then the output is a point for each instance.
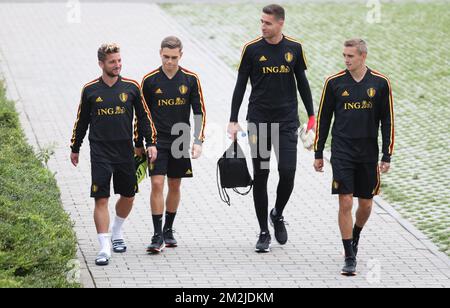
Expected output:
(152, 153)
(318, 165)
(74, 158)
(233, 129)
(139, 151)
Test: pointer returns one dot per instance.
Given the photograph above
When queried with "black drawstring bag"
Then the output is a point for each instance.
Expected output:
(233, 171)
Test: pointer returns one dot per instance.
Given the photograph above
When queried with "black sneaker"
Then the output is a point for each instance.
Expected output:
(157, 244)
(355, 246)
(263, 244)
(349, 268)
(169, 239)
(278, 224)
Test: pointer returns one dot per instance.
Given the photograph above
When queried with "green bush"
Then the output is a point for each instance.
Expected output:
(37, 238)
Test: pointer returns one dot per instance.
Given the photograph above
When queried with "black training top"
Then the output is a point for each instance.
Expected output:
(358, 108)
(170, 102)
(273, 70)
(108, 112)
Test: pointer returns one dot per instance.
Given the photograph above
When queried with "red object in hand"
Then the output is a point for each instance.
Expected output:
(311, 123)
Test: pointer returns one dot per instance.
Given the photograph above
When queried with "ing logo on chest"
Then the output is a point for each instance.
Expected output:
(171, 102)
(282, 69)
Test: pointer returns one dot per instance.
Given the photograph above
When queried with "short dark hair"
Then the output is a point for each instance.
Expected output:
(275, 10)
(171, 42)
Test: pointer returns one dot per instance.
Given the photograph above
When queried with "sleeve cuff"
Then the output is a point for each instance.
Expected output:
(386, 158)
(318, 155)
(75, 150)
(147, 145)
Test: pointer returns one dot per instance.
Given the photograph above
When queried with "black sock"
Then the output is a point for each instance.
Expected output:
(348, 248)
(356, 233)
(170, 217)
(284, 191)
(157, 223)
(261, 200)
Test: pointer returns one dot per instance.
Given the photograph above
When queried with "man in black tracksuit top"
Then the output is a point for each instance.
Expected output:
(107, 107)
(276, 66)
(360, 99)
(170, 92)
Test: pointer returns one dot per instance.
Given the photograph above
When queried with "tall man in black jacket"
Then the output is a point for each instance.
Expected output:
(276, 66)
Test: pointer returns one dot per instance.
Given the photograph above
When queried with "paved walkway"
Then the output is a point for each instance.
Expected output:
(46, 60)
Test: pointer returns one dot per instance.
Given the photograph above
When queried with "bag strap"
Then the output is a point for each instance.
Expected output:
(222, 191)
(243, 193)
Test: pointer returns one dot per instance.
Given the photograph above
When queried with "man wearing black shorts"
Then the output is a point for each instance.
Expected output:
(276, 66)
(360, 99)
(170, 92)
(107, 107)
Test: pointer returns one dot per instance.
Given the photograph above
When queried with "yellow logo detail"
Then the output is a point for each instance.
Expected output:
(183, 89)
(358, 105)
(111, 111)
(171, 102)
(283, 69)
(188, 172)
(99, 100)
(289, 57)
(151, 166)
(94, 188)
(123, 97)
(371, 92)
(159, 91)
(345, 93)
(335, 185)
(262, 59)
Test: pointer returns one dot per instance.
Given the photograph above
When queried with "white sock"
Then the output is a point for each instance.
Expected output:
(105, 243)
(117, 228)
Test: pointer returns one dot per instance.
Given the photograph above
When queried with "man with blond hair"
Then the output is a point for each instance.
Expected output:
(107, 106)
(360, 99)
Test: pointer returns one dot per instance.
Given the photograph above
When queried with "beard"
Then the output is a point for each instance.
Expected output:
(112, 73)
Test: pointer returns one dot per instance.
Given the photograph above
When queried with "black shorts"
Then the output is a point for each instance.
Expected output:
(124, 179)
(167, 164)
(262, 137)
(360, 179)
